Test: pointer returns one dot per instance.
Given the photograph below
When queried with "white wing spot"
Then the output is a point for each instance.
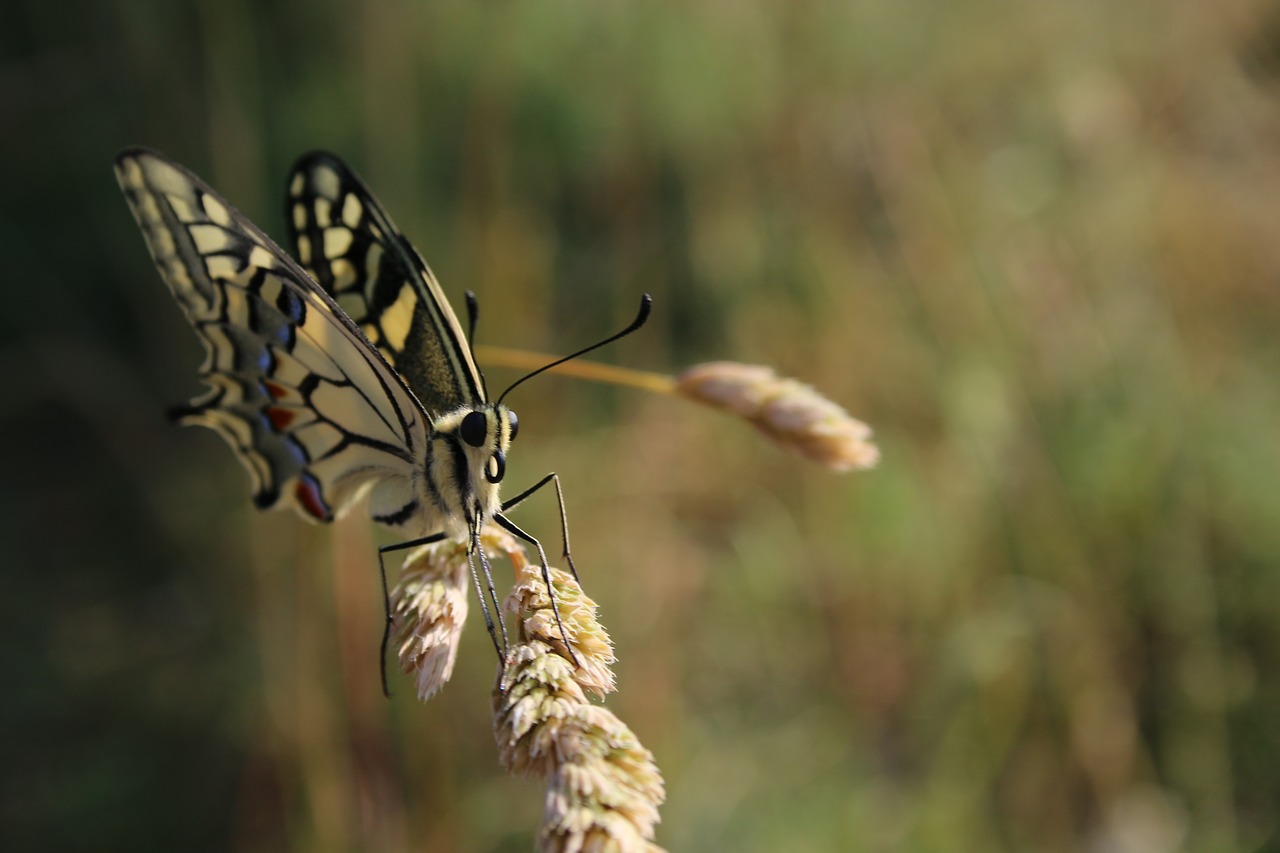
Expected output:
(221, 267)
(225, 388)
(164, 243)
(216, 210)
(351, 210)
(344, 274)
(177, 272)
(182, 208)
(222, 353)
(336, 242)
(370, 332)
(209, 239)
(150, 210)
(296, 185)
(372, 260)
(304, 249)
(260, 257)
(324, 212)
(326, 181)
(238, 429)
(237, 308)
(166, 178)
(131, 174)
(299, 216)
(270, 289)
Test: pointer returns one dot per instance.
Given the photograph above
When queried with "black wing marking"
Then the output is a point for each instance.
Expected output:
(342, 236)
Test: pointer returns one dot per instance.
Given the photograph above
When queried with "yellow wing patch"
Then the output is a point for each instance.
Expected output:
(398, 319)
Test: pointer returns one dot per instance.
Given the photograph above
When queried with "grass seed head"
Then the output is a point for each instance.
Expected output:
(603, 788)
(791, 413)
(429, 607)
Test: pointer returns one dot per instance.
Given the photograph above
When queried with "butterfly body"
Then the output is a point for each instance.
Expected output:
(342, 374)
(457, 481)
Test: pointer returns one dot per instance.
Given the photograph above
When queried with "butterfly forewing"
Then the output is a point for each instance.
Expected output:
(346, 240)
(311, 410)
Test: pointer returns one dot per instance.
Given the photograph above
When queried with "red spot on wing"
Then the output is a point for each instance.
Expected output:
(274, 389)
(280, 418)
(309, 498)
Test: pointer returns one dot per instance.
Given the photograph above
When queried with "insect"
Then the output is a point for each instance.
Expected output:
(344, 373)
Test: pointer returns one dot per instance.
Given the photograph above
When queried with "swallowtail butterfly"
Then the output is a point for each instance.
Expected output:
(343, 376)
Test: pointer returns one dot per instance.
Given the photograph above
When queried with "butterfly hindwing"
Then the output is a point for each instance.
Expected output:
(343, 237)
(313, 413)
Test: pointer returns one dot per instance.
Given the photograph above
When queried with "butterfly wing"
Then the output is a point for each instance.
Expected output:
(345, 239)
(310, 408)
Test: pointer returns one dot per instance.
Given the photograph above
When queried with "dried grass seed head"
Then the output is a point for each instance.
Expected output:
(788, 411)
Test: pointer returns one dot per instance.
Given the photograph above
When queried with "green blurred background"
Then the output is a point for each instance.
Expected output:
(1035, 245)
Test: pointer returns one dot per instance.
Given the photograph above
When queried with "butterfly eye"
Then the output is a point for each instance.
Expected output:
(515, 425)
(474, 428)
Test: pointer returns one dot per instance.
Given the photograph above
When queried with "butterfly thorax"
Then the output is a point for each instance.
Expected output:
(466, 463)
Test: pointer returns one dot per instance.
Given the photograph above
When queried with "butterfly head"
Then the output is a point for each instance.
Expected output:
(479, 437)
(486, 432)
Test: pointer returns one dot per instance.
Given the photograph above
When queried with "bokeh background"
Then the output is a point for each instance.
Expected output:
(1035, 245)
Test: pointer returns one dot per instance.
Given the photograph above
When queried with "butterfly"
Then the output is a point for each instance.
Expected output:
(342, 374)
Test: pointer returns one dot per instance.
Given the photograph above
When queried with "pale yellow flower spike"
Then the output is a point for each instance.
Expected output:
(603, 788)
(790, 412)
(429, 606)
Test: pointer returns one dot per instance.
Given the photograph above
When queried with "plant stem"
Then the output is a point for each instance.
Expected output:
(593, 370)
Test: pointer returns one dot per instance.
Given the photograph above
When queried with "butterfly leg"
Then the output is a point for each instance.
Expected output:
(478, 547)
(386, 597)
(511, 528)
(564, 519)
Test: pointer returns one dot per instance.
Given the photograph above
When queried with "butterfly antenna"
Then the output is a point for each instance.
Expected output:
(473, 315)
(646, 304)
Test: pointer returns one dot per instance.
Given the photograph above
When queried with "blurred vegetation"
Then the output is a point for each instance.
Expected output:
(1035, 245)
